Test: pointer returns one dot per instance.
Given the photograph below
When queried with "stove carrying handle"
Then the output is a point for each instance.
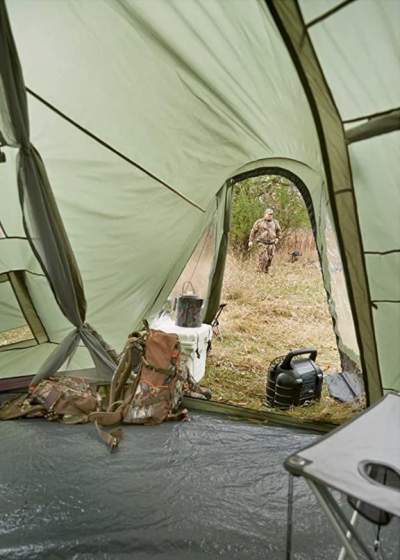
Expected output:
(287, 362)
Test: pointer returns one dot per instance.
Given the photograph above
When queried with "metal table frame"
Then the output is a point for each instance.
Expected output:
(344, 528)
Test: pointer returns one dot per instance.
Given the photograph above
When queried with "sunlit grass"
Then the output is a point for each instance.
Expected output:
(266, 316)
(15, 335)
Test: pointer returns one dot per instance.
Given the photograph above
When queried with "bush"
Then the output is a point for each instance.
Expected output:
(252, 196)
(246, 209)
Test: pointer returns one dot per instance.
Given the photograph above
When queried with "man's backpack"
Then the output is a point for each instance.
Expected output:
(147, 386)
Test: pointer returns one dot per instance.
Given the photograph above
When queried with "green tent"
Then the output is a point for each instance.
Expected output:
(125, 124)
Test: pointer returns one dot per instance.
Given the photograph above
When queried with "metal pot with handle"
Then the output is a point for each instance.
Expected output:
(188, 307)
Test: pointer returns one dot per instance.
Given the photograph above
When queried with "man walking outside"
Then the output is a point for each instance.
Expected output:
(266, 233)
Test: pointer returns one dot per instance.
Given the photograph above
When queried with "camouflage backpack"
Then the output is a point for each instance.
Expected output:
(69, 399)
(147, 386)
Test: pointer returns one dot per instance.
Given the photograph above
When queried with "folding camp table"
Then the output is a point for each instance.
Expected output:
(360, 460)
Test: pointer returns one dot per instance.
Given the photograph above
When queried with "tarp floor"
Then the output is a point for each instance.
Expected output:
(204, 489)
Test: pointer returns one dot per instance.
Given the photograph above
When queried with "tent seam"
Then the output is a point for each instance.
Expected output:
(383, 253)
(111, 148)
(329, 13)
(371, 116)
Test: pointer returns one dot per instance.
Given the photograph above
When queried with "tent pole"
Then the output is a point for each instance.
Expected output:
(342, 554)
(289, 528)
(333, 519)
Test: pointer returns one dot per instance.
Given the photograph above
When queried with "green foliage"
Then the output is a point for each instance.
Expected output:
(246, 209)
(251, 198)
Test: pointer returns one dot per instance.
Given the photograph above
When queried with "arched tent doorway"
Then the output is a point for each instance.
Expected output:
(312, 189)
(207, 263)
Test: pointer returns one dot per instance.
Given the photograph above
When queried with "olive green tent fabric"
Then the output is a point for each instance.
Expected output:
(11, 316)
(143, 112)
(376, 169)
(217, 274)
(42, 221)
(175, 103)
(364, 77)
(358, 48)
(339, 184)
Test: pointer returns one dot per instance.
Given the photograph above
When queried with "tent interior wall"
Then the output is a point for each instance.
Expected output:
(111, 179)
(372, 75)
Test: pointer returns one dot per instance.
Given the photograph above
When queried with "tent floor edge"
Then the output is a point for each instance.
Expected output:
(238, 413)
(257, 416)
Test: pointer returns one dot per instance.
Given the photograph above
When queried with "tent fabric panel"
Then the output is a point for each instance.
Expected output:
(337, 288)
(383, 273)
(375, 163)
(11, 316)
(187, 87)
(17, 362)
(376, 167)
(5, 124)
(217, 274)
(387, 321)
(54, 322)
(129, 234)
(16, 254)
(339, 185)
(211, 219)
(10, 210)
(13, 106)
(358, 441)
(316, 8)
(363, 75)
(42, 221)
(196, 274)
(199, 267)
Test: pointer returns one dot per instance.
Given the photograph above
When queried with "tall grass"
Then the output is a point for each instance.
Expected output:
(302, 240)
(267, 315)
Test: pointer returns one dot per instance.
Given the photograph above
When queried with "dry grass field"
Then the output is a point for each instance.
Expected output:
(15, 335)
(266, 316)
